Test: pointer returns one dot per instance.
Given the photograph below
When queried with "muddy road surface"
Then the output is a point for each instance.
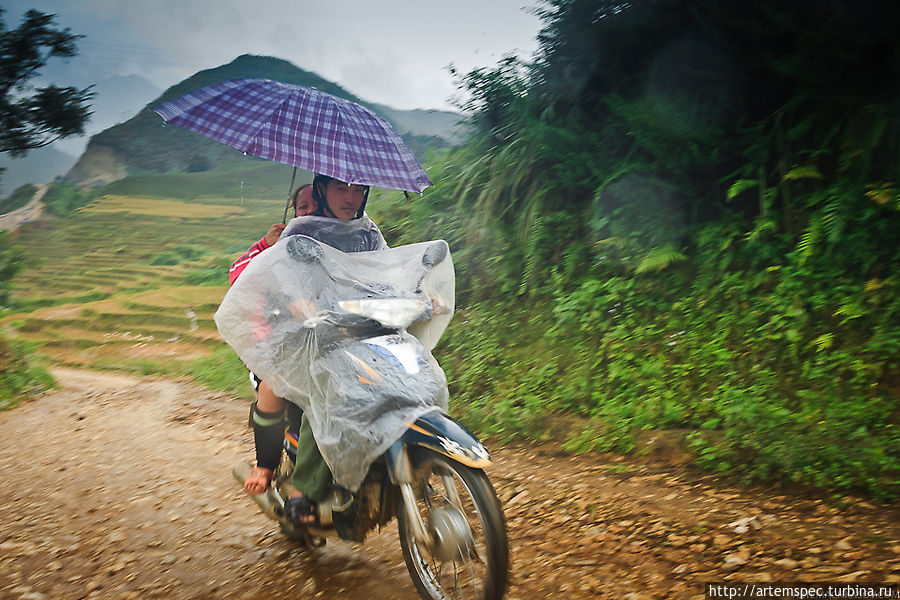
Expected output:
(119, 487)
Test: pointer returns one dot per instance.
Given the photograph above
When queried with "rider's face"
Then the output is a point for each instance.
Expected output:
(344, 199)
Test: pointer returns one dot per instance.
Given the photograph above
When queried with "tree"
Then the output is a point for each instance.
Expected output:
(31, 118)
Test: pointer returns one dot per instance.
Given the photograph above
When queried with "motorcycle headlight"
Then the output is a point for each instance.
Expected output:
(394, 313)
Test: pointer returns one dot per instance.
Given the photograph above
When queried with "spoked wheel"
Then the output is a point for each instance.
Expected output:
(469, 557)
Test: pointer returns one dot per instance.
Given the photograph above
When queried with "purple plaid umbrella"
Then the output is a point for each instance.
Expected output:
(300, 126)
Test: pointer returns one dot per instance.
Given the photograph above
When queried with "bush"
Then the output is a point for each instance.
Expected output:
(63, 198)
(11, 261)
(20, 376)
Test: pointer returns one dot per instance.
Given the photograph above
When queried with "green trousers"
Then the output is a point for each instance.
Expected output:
(311, 477)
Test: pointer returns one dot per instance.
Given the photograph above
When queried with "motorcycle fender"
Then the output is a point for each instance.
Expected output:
(438, 432)
(399, 467)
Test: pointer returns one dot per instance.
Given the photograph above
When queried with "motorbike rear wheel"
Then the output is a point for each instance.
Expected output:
(477, 564)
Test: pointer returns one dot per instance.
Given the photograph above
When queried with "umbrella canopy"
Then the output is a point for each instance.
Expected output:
(300, 126)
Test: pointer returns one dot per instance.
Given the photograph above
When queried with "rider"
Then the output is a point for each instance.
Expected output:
(303, 205)
(334, 199)
(267, 423)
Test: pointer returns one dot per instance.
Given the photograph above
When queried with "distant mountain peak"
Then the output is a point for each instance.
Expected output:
(142, 145)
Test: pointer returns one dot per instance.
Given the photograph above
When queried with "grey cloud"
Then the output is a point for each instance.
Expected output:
(392, 51)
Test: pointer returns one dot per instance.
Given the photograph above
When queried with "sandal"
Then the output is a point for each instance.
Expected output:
(301, 512)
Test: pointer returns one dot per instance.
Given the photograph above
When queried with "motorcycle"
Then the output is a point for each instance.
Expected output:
(451, 525)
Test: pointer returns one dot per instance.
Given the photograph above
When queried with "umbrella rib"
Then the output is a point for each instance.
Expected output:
(255, 133)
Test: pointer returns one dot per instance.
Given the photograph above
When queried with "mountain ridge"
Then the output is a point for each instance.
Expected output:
(143, 144)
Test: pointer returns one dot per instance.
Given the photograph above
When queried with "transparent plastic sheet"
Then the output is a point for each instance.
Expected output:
(283, 319)
(358, 235)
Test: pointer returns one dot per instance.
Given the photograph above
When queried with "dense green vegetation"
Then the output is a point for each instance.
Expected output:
(63, 198)
(60, 199)
(684, 215)
(20, 375)
(19, 198)
(11, 259)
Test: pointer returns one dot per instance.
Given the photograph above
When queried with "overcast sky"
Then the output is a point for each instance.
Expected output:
(393, 52)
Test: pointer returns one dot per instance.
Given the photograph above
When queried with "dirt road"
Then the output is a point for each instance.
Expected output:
(29, 212)
(119, 487)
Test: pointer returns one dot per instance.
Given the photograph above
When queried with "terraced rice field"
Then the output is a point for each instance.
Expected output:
(159, 207)
(122, 284)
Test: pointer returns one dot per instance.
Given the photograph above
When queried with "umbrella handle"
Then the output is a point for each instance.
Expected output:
(290, 190)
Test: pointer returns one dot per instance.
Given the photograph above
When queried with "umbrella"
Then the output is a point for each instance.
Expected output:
(300, 126)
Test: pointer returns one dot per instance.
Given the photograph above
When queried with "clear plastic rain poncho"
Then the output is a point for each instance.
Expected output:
(290, 317)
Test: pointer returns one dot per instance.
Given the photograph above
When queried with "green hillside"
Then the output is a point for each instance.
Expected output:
(143, 144)
(427, 123)
(251, 178)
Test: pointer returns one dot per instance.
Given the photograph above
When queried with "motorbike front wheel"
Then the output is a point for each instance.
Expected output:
(470, 557)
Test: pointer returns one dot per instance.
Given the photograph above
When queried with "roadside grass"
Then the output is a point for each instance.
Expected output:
(223, 371)
(23, 374)
(91, 296)
(19, 198)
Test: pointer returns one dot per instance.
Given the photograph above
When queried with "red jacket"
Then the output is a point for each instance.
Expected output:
(238, 266)
(262, 329)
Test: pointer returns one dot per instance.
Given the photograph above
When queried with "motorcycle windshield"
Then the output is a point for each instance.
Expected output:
(302, 316)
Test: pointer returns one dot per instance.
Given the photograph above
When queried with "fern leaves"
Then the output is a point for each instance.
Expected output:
(826, 223)
(805, 172)
(740, 186)
(660, 258)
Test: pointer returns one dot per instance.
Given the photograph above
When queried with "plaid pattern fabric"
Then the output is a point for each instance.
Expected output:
(302, 127)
